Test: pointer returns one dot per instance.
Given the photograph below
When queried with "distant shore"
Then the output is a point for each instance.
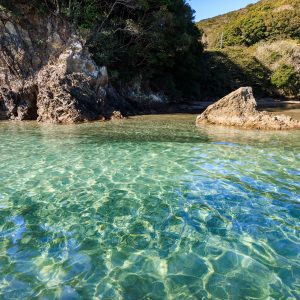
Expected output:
(196, 107)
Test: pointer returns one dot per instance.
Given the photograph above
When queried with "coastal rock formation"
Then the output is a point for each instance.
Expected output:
(72, 89)
(116, 115)
(47, 74)
(19, 103)
(239, 109)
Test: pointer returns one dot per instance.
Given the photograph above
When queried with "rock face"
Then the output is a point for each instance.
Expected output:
(19, 103)
(239, 109)
(46, 72)
(72, 88)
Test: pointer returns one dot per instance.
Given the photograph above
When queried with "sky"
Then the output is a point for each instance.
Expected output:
(211, 8)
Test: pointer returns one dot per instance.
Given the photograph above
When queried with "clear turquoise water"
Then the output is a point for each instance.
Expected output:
(149, 208)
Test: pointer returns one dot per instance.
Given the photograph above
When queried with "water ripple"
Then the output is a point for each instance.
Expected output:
(148, 209)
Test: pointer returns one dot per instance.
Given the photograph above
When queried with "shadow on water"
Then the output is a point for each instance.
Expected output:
(160, 128)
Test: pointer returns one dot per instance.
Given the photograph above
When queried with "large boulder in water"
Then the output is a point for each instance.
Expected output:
(239, 109)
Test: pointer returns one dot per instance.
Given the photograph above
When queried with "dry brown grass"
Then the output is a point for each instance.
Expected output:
(274, 54)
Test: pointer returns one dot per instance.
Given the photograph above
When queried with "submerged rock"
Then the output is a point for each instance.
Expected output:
(239, 109)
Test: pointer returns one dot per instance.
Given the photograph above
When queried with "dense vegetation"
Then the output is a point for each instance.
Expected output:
(228, 69)
(155, 44)
(286, 78)
(151, 41)
(266, 20)
(258, 45)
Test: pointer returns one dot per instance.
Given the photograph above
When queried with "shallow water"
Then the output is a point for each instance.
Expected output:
(148, 208)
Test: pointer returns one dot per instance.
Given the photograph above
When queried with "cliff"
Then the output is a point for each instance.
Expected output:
(47, 73)
(72, 61)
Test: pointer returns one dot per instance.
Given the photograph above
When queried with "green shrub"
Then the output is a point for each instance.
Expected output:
(274, 56)
(228, 69)
(286, 78)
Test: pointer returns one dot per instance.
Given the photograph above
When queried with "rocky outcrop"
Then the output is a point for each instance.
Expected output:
(117, 115)
(143, 98)
(46, 72)
(72, 88)
(239, 109)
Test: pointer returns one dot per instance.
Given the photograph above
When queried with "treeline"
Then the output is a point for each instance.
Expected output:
(153, 41)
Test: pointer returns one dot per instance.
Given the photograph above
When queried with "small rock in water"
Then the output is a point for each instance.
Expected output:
(117, 115)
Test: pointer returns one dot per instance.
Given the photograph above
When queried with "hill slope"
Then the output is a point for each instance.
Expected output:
(258, 46)
(265, 20)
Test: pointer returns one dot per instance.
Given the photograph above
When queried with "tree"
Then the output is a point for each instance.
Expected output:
(155, 40)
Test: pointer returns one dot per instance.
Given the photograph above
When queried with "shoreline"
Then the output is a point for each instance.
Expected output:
(271, 105)
(293, 112)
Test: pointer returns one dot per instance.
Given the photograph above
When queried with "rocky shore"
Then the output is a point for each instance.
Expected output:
(47, 74)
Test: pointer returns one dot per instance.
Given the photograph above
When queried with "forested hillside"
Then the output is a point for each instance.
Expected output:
(266, 20)
(155, 46)
(258, 45)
